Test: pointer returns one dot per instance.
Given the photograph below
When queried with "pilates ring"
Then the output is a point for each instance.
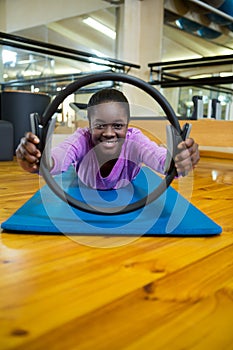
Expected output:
(51, 109)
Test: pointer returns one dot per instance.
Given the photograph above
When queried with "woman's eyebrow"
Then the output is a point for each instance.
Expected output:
(114, 121)
(99, 121)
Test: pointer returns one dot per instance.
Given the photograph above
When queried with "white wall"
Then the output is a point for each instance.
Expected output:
(2, 15)
(140, 42)
(21, 14)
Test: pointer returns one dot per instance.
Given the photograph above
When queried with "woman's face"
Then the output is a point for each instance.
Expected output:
(108, 125)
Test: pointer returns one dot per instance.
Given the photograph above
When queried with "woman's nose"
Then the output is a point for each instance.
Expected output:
(108, 130)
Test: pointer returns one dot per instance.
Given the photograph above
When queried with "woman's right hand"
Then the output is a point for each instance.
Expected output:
(27, 153)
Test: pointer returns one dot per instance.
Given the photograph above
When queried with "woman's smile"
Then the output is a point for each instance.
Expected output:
(109, 143)
(109, 125)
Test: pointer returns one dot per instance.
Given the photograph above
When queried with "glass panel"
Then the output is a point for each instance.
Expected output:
(186, 106)
(26, 70)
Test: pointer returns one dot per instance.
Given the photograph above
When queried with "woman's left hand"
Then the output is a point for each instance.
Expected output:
(188, 156)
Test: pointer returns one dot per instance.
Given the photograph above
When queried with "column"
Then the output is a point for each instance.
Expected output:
(140, 31)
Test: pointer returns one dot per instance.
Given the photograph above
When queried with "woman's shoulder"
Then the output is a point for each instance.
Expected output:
(133, 131)
(82, 133)
(79, 136)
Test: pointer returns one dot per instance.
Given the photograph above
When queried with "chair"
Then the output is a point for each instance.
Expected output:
(7, 140)
(16, 107)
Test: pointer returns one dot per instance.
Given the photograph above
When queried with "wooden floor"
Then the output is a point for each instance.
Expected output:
(153, 293)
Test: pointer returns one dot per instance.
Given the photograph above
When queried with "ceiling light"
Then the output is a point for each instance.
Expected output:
(225, 74)
(9, 56)
(100, 27)
(26, 61)
(29, 73)
(115, 2)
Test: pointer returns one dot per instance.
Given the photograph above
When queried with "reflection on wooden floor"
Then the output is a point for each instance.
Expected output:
(155, 293)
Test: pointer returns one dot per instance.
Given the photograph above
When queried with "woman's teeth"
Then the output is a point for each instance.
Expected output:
(109, 141)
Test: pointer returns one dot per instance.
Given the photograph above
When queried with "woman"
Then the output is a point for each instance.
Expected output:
(108, 154)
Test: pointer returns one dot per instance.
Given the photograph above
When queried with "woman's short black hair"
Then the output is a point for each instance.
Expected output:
(108, 95)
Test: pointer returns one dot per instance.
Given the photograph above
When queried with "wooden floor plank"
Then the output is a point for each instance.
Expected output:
(154, 293)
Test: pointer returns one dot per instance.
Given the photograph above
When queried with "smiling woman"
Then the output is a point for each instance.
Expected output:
(108, 115)
(80, 151)
(110, 150)
(108, 133)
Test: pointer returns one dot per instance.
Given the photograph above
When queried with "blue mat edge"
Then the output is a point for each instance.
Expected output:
(46, 229)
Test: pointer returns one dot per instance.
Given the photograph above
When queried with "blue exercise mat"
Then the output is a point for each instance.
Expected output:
(170, 214)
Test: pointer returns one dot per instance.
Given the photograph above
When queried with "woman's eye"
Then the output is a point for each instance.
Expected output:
(99, 126)
(117, 126)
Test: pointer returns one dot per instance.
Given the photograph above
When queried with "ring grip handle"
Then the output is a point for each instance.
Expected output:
(73, 87)
(173, 140)
(44, 134)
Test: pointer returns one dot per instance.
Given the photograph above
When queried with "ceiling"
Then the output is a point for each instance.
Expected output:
(178, 44)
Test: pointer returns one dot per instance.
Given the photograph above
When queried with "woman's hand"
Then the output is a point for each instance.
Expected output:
(188, 156)
(27, 153)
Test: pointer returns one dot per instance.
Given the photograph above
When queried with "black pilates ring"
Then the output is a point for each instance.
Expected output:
(73, 87)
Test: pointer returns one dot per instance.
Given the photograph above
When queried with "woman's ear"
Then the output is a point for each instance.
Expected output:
(89, 125)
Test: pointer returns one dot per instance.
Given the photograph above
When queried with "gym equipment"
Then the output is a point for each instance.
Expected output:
(188, 25)
(44, 127)
(197, 107)
(226, 7)
(214, 109)
(208, 33)
(7, 140)
(16, 107)
(170, 215)
(199, 9)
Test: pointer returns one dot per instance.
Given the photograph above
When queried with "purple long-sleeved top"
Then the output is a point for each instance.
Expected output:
(137, 149)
